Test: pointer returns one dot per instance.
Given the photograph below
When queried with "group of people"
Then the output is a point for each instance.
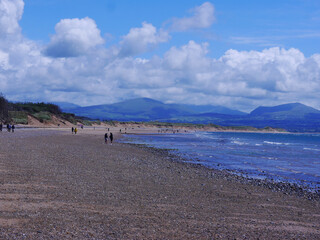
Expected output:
(74, 130)
(10, 128)
(106, 138)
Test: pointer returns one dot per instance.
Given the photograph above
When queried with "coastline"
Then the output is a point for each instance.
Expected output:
(146, 127)
(309, 189)
(57, 185)
(284, 187)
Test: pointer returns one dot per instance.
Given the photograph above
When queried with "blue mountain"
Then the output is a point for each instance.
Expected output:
(285, 111)
(64, 106)
(146, 109)
(294, 117)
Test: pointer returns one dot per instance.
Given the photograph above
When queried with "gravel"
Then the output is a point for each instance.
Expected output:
(54, 185)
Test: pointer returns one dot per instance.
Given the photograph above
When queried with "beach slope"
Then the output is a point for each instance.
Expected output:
(55, 185)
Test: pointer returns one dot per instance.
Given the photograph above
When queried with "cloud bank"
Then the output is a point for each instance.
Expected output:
(76, 67)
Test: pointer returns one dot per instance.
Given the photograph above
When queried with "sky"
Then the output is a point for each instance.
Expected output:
(238, 54)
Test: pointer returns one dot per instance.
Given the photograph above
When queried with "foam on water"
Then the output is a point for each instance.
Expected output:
(312, 149)
(289, 157)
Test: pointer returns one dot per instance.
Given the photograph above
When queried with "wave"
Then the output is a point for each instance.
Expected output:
(290, 170)
(312, 149)
(204, 135)
(239, 143)
(277, 143)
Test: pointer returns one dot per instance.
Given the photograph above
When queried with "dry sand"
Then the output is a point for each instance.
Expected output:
(54, 185)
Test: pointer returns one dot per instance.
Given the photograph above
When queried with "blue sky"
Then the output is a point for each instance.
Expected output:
(239, 54)
(242, 25)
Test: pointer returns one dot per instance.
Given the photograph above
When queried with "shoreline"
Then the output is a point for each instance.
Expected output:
(285, 187)
(310, 190)
(135, 128)
(55, 185)
(277, 185)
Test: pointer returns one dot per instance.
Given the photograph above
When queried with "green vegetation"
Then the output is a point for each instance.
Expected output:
(37, 107)
(19, 117)
(70, 117)
(110, 122)
(42, 116)
(4, 109)
(18, 112)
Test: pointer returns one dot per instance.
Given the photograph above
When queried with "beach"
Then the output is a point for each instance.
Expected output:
(57, 185)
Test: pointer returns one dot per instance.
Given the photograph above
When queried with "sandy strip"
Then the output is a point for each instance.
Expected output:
(55, 185)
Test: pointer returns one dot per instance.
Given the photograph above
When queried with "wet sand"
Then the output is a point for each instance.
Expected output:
(54, 185)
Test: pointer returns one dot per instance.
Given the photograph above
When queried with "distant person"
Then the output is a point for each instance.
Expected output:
(106, 138)
(1, 127)
(81, 126)
(75, 131)
(13, 127)
(72, 130)
(111, 138)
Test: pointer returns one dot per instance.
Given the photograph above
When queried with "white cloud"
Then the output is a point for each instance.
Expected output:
(10, 13)
(185, 74)
(4, 60)
(203, 17)
(74, 37)
(191, 56)
(140, 40)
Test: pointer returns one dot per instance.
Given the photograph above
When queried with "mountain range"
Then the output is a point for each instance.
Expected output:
(294, 117)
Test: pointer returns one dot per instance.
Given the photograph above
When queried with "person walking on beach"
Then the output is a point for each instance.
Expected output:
(106, 138)
(111, 138)
(75, 131)
(1, 127)
(72, 130)
(13, 127)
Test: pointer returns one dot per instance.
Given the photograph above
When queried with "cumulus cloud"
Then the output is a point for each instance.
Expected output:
(74, 37)
(140, 40)
(184, 74)
(203, 17)
(189, 57)
(10, 13)
(4, 60)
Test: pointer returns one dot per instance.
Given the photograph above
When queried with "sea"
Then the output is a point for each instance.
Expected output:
(293, 158)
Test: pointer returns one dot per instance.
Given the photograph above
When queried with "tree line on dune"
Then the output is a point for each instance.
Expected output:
(18, 112)
(4, 109)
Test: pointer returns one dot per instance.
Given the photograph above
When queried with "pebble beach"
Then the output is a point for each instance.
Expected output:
(57, 185)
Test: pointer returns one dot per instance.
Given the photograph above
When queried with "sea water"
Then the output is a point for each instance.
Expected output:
(290, 157)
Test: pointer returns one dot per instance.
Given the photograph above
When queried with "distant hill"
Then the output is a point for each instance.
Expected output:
(146, 109)
(294, 117)
(64, 106)
(200, 109)
(285, 111)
